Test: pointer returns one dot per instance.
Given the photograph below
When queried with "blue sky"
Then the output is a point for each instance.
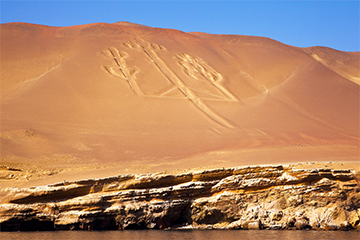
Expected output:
(333, 24)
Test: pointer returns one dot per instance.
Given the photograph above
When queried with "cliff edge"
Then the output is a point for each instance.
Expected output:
(261, 197)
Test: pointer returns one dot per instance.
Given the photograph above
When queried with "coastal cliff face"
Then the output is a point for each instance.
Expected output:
(267, 197)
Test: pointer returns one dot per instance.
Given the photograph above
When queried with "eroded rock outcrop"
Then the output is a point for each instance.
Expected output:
(272, 197)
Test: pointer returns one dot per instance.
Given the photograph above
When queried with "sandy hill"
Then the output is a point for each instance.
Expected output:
(124, 97)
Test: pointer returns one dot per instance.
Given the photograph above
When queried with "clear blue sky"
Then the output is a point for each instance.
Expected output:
(333, 24)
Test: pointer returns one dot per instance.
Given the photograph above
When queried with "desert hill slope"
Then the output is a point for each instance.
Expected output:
(136, 98)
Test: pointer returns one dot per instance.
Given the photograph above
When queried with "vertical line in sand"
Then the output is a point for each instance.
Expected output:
(181, 86)
(122, 66)
(215, 82)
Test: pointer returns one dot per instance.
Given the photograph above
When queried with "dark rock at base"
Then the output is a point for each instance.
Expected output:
(236, 198)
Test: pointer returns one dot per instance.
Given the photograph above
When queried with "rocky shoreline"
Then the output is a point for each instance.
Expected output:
(262, 197)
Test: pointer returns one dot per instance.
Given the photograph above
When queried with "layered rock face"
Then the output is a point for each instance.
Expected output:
(267, 197)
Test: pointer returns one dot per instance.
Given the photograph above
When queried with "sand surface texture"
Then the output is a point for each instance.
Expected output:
(107, 99)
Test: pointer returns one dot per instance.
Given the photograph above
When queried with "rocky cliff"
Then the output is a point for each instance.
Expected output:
(266, 197)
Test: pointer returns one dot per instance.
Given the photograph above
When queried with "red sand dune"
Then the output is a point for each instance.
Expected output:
(133, 97)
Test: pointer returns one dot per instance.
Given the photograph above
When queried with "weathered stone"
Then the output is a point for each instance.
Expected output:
(235, 225)
(276, 227)
(302, 223)
(290, 221)
(353, 218)
(276, 215)
(252, 225)
(295, 201)
(235, 198)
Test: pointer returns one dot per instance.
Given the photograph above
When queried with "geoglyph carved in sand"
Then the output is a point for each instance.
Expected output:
(204, 83)
(199, 70)
(121, 70)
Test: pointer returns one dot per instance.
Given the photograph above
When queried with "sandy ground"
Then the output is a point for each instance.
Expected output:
(105, 99)
(306, 158)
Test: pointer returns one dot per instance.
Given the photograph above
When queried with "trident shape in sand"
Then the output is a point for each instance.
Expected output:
(190, 65)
